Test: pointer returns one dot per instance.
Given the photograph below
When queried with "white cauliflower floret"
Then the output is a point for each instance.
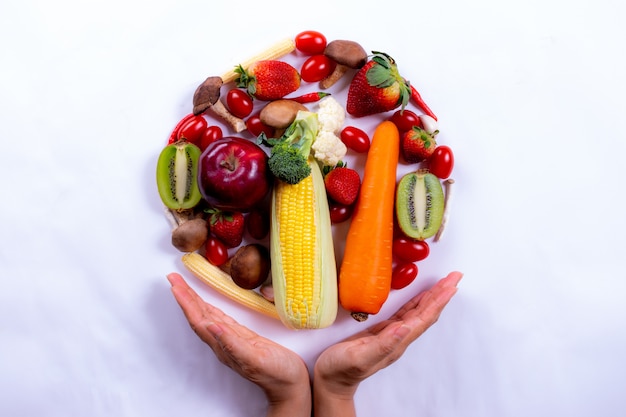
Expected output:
(330, 115)
(328, 148)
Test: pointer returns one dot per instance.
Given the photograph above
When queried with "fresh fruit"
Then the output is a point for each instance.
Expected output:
(233, 174)
(377, 87)
(342, 185)
(269, 79)
(316, 68)
(403, 274)
(176, 175)
(276, 51)
(310, 42)
(211, 134)
(417, 145)
(216, 251)
(339, 213)
(255, 126)
(239, 103)
(419, 204)
(227, 226)
(405, 119)
(441, 162)
(410, 250)
(355, 139)
(189, 128)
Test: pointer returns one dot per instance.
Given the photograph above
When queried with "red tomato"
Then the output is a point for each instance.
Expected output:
(191, 129)
(402, 275)
(211, 134)
(239, 103)
(441, 162)
(256, 127)
(405, 120)
(216, 251)
(258, 224)
(355, 139)
(310, 42)
(339, 213)
(316, 68)
(410, 250)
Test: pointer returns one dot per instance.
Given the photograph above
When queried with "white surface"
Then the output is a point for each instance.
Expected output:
(530, 96)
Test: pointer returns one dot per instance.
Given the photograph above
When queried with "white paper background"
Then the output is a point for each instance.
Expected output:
(530, 96)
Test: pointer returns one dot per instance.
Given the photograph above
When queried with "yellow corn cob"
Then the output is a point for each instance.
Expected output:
(304, 271)
(278, 50)
(223, 283)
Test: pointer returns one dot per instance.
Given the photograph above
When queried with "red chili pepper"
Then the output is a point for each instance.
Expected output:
(417, 98)
(309, 97)
(174, 135)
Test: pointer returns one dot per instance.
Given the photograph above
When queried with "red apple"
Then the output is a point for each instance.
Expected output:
(233, 174)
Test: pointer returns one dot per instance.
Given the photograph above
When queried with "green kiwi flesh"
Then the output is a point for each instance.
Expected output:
(419, 204)
(177, 176)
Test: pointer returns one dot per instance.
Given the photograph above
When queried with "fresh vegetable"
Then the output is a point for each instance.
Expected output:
(377, 87)
(249, 267)
(190, 235)
(417, 99)
(310, 42)
(279, 114)
(191, 128)
(207, 97)
(342, 185)
(419, 204)
(268, 80)
(410, 250)
(176, 175)
(258, 223)
(256, 127)
(211, 134)
(366, 269)
(430, 124)
(222, 283)
(216, 251)
(330, 115)
(328, 149)
(441, 162)
(289, 155)
(316, 68)
(405, 119)
(355, 139)
(417, 144)
(174, 137)
(239, 103)
(275, 51)
(403, 274)
(339, 213)
(304, 272)
(309, 97)
(227, 226)
(347, 55)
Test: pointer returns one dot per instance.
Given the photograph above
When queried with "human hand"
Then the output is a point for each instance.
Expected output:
(340, 368)
(278, 371)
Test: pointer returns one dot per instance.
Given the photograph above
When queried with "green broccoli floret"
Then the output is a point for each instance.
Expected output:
(288, 159)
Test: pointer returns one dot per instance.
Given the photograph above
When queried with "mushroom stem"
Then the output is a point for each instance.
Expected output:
(236, 123)
(446, 210)
(334, 76)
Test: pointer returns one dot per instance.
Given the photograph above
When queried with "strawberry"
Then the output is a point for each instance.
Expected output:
(342, 185)
(268, 80)
(227, 226)
(417, 144)
(377, 87)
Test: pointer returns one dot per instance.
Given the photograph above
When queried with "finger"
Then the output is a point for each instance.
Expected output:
(451, 280)
(428, 311)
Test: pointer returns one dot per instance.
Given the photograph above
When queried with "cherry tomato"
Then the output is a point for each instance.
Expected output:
(339, 213)
(258, 223)
(211, 134)
(310, 42)
(316, 68)
(355, 139)
(239, 103)
(410, 250)
(191, 128)
(405, 120)
(216, 251)
(402, 275)
(256, 127)
(441, 162)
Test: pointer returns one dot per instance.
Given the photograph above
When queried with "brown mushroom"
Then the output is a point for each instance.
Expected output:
(347, 55)
(207, 96)
(279, 114)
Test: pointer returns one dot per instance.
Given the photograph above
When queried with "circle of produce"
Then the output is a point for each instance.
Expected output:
(301, 197)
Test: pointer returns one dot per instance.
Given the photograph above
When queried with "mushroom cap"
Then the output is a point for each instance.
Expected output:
(348, 53)
(207, 94)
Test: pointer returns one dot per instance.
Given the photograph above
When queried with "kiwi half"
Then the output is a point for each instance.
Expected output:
(177, 175)
(419, 204)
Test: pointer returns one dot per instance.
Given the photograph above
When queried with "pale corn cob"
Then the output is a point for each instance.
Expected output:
(223, 283)
(304, 272)
(278, 50)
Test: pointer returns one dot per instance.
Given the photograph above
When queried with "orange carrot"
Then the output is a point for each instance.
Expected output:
(365, 273)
